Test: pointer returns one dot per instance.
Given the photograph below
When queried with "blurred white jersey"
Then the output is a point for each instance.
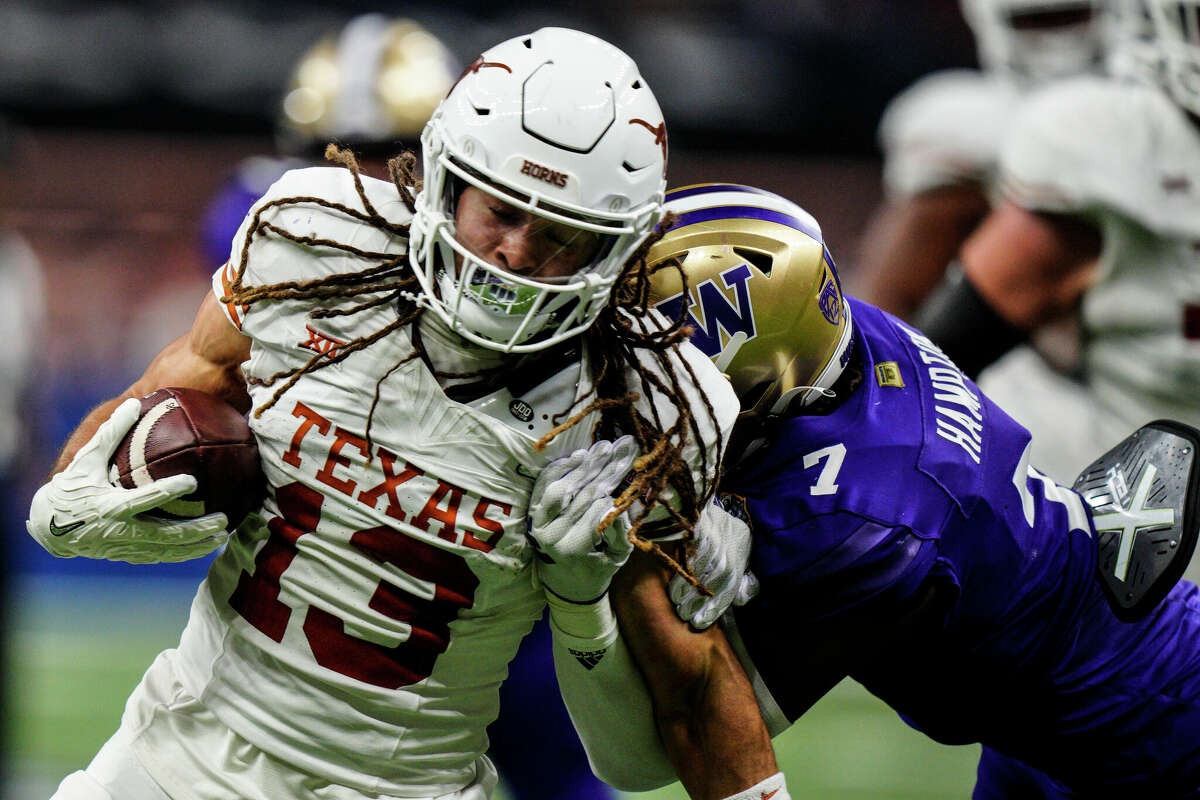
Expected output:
(1125, 157)
(22, 317)
(945, 129)
(357, 631)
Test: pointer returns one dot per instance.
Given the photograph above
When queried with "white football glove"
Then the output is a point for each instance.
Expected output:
(720, 563)
(80, 513)
(570, 497)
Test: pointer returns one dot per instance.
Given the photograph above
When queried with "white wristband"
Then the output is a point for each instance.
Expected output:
(773, 788)
(582, 627)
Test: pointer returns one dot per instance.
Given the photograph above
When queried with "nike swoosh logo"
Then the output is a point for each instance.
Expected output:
(62, 530)
(524, 473)
(766, 796)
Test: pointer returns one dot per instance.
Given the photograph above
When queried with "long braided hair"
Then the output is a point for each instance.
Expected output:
(615, 339)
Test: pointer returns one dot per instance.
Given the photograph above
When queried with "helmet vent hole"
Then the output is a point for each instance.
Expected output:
(483, 112)
(760, 261)
(637, 84)
(528, 43)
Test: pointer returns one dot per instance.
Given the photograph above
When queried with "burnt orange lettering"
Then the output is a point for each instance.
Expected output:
(494, 526)
(391, 480)
(325, 475)
(447, 516)
(310, 418)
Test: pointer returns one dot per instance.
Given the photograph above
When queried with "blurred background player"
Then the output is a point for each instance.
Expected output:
(941, 138)
(371, 86)
(1100, 219)
(901, 535)
(22, 313)
(22, 320)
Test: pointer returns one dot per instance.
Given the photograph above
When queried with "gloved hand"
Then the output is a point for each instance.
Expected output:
(720, 563)
(570, 498)
(79, 513)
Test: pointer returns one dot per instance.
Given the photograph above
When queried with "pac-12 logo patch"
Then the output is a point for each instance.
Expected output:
(521, 410)
(829, 302)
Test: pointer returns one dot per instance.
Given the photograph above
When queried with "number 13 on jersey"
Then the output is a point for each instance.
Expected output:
(256, 597)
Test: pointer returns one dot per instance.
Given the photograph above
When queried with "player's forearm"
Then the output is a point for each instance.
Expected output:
(207, 357)
(712, 731)
(704, 705)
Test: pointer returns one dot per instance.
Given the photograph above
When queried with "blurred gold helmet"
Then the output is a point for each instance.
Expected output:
(371, 86)
(764, 299)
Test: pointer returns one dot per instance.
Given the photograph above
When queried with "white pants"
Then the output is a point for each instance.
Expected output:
(116, 774)
(191, 755)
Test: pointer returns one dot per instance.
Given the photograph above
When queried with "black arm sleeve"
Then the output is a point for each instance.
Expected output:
(967, 329)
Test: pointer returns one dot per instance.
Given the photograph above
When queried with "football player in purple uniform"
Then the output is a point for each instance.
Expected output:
(900, 535)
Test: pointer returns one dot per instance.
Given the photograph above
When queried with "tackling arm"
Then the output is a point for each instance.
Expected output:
(704, 705)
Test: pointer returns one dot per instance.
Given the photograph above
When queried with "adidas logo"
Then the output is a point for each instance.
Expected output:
(589, 658)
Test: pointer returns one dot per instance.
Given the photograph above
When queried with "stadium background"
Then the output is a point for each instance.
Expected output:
(125, 119)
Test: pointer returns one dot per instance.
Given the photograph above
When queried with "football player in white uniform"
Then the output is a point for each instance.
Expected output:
(941, 139)
(372, 85)
(411, 365)
(1101, 217)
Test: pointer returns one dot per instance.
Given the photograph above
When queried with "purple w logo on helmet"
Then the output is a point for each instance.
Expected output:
(716, 310)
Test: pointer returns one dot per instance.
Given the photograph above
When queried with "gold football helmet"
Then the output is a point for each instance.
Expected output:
(371, 85)
(764, 298)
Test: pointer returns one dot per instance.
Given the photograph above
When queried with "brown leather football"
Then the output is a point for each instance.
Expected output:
(186, 431)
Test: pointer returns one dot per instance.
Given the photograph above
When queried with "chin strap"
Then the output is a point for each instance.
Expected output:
(785, 399)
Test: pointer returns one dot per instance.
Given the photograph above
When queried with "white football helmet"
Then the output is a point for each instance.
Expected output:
(1039, 40)
(1177, 28)
(1134, 53)
(558, 124)
(373, 84)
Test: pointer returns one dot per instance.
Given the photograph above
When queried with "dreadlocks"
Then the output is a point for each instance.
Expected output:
(619, 334)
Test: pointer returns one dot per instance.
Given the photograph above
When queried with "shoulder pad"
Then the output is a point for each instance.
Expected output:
(945, 129)
(273, 259)
(1084, 145)
(276, 259)
(697, 376)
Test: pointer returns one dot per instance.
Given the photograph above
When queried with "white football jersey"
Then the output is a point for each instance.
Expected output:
(945, 129)
(358, 628)
(1126, 157)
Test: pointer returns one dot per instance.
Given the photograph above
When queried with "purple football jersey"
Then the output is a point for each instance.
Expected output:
(918, 477)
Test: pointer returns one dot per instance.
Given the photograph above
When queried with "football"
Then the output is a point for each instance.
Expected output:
(186, 431)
